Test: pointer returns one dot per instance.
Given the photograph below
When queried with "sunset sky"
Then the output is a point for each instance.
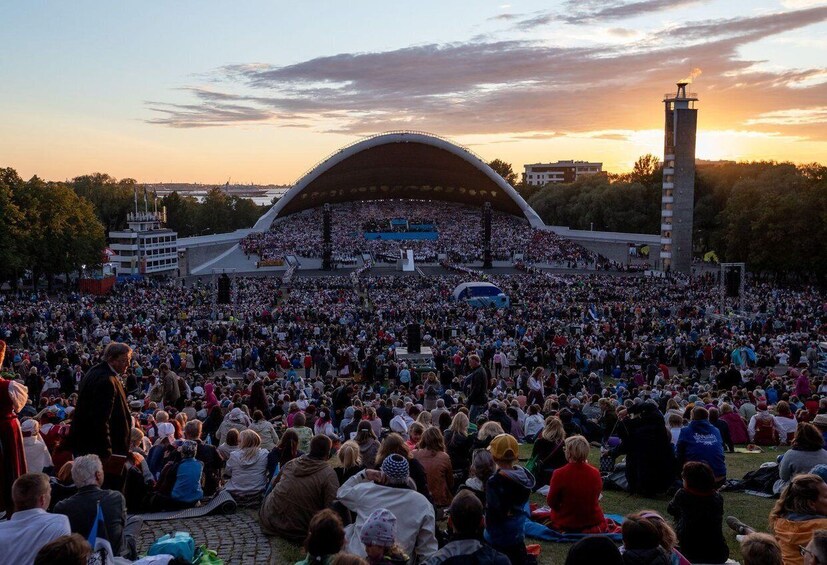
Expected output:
(204, 91)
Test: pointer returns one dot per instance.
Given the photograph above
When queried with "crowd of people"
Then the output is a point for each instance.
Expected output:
(458, 228)
(293, 400)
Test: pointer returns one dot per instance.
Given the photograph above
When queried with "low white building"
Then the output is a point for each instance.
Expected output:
(145, 247)
(540, 174)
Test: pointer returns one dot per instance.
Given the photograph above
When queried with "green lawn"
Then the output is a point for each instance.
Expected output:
(752, 510)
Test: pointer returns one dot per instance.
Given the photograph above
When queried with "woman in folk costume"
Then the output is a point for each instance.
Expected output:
(13, 396)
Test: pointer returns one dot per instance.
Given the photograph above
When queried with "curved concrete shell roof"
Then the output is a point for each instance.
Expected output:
(401, 165)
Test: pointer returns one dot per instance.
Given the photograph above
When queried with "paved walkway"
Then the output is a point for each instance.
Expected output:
(236, 538)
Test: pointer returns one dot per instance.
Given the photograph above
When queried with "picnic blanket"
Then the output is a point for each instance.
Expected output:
(222, 503)
(537, 530)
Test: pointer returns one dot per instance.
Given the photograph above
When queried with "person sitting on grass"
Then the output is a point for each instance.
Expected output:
(594, 549)
(506, 495)
(378, 534)
(325, 538)
(760, 549)
(574, 492)
(465, 525)
(807, 451)
(799, 512)
(642, 543)
(701, 441)
(698, 510)
(815, 552)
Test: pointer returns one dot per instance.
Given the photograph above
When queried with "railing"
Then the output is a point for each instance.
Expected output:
(674, 96)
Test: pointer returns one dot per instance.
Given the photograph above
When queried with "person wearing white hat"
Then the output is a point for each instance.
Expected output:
(37, 454)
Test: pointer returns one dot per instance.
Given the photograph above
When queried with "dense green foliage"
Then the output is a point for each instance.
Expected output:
(773, 216)
(218, 213)
(45, 228)
(113, 199)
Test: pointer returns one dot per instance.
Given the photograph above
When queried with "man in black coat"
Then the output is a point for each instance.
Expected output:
(477, 388)
(650, 458)
(101, 423)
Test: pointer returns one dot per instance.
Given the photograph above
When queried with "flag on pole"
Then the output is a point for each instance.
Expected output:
(99, 540)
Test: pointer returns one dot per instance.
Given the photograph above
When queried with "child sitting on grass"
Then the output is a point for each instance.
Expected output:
(378, 533)
(698, 510)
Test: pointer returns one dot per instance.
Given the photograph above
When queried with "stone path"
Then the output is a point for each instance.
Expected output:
(236, 537)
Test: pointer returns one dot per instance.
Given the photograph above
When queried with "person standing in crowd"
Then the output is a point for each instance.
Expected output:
(506, 495)
(101, 421)
(31, 527)
(477, 388)
(13, 397)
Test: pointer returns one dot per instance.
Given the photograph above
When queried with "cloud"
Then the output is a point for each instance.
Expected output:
(592, 11)
(512, 86)
(792, 117)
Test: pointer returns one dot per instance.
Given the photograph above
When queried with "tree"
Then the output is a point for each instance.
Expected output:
(112, 199)
(647, 170)
(504, 170)
(11, 234)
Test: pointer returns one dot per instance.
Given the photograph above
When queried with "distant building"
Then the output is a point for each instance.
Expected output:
(145, 247)
(678, 196)
(539, 174)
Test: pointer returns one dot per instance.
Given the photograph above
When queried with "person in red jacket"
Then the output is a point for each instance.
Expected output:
(574, 492)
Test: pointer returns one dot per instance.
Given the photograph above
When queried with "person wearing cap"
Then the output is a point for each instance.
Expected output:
(506, 494)
(392, 489)
(379, 538)
(820, 422)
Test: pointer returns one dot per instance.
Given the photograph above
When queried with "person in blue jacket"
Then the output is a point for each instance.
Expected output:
(701, 441)
(187, 490)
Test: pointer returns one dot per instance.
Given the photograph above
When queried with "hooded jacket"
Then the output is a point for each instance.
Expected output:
(304, 486)
(701, 441)
(415, 520)
(794, 531)
(247, 476)
(506, 495)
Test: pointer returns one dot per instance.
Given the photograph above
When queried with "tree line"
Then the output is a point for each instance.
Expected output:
(55, 228)
(770, 215)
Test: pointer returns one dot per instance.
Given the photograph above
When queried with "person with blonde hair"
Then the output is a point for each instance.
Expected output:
(247, 467)
(574, 492)
(487, 432)
(431, 455)
(350, 460)
(458, 445)
(548, 450)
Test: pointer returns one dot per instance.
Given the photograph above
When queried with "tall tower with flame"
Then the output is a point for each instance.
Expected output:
(678, 195)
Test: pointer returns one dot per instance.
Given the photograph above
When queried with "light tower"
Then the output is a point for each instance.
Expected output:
(678, 196)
